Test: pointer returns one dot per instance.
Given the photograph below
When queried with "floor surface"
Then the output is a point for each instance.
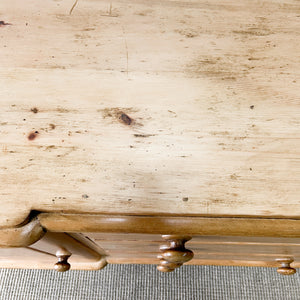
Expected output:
(144, 282)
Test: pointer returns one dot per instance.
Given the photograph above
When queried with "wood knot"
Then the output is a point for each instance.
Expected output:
(32, 135)
(125, 119)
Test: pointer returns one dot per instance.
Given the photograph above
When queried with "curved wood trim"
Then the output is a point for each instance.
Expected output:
(22, 236)
(99, 265)
(59, 222)
(28, 264)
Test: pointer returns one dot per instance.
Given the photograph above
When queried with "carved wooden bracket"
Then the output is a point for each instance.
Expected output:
(22, 236)
(174, 254)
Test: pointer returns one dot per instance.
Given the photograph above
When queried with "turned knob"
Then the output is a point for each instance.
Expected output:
(62, 265)
(165, 266)
(177, 256)
(285, 268)
(174, 254)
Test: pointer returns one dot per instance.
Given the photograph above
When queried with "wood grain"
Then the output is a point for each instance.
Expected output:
(149, 107)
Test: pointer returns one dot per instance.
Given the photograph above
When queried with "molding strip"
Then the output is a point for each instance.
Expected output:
(59, 222)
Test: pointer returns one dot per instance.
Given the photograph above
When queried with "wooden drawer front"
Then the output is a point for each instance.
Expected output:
(90, 251)
(139, 248)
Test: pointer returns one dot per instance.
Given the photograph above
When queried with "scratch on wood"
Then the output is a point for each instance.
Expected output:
(72, 8)
(126, 48)
(109, 12)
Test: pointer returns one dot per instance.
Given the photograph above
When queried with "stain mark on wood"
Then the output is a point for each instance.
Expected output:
(32, 135)
(88, 29)
(228, 67)
(3, 23)
(144, 12)
(120, 114)
(50, 147)
(216, 201)
(143, 135)
(254, 31)
(219, 133)
(188, 33)
(69, 151)
(172, 112)
(233, 177)
(64, 110)
(34, 110)
(52, 126)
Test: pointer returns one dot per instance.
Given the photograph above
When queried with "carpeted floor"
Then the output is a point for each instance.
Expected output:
(144, 282)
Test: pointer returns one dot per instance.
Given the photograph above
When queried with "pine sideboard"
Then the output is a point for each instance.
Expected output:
(160, 132)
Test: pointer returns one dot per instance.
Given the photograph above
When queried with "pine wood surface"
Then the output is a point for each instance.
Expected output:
(149, 108)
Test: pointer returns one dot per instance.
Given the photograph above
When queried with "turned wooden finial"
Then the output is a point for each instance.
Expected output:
(285, 268)
(62, 265)
(174, 254)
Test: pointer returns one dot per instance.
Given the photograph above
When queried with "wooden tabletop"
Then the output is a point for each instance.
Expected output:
(150, 108)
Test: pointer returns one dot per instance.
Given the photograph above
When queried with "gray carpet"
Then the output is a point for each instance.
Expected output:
(144, 282)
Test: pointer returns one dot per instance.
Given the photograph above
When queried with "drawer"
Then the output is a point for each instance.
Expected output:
(227, 250)
(91, 251)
